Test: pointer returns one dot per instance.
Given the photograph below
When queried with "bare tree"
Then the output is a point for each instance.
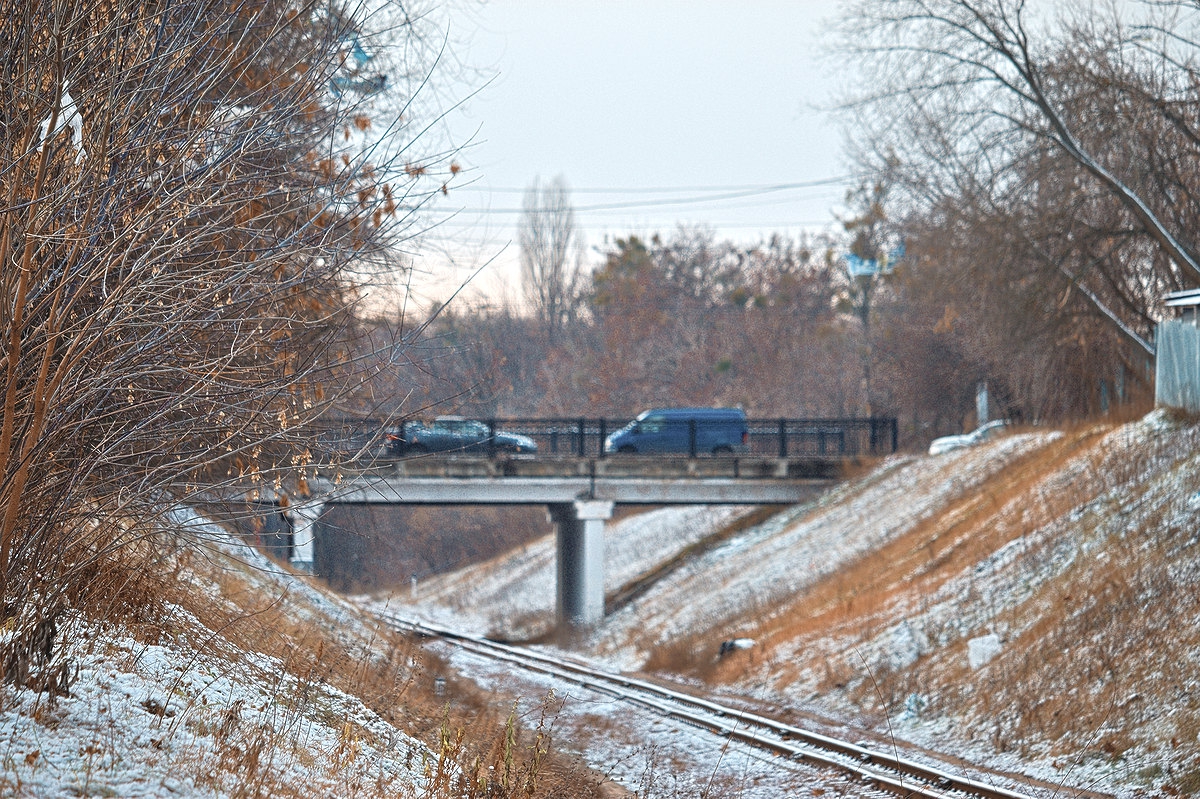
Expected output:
(976, 80)
(181, 200)
(548, 243)
(1048, 158)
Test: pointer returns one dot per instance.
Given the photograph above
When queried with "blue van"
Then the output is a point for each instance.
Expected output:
(683, 430)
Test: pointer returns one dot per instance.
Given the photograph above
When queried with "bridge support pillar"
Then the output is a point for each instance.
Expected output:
(580, 534)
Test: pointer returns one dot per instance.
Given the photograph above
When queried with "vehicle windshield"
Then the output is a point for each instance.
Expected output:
(651, 424)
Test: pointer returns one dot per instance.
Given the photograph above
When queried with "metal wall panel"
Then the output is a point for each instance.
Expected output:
(1177, 382)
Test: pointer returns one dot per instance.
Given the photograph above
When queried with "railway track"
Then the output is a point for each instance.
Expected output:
(887, 771)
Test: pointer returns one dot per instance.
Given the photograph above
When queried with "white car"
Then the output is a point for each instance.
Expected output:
(982, 433)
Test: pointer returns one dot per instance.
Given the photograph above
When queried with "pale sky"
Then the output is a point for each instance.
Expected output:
(656, 113)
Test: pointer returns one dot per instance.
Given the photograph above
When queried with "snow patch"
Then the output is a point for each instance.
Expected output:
(981, 650)
(907, 645)
(67, 116)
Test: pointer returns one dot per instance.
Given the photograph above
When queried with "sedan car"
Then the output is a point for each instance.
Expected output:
(454, 434)
(980, 434)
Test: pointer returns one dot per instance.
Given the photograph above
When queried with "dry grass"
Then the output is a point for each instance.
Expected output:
(1097, 666)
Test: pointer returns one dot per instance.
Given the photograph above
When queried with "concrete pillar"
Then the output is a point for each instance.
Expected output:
(271, 524)
(304, 520)
(580, 533)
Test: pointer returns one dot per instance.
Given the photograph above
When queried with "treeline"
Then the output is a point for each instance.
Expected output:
(1030, 195)
(664, 321)
(782, 329)
(1042, 161)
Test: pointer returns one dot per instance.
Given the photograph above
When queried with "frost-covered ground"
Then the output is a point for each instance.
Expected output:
(169, 720)
(193, 715)
(1029, 604)
(745, 577)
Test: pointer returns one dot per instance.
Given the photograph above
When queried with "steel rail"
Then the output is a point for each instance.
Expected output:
(888, 771)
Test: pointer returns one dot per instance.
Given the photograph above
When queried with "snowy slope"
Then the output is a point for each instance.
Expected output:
(194, 714)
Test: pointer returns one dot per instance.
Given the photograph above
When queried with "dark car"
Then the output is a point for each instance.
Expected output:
(453, 434)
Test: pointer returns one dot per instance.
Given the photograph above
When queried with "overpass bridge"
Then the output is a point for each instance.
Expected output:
(581, 491)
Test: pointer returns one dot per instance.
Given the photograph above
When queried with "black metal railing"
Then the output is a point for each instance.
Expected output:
(585, 437)
(765, 437)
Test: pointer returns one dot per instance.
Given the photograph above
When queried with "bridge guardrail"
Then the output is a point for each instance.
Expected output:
(584, 437)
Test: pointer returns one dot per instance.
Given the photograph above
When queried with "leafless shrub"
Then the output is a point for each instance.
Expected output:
(182, 208)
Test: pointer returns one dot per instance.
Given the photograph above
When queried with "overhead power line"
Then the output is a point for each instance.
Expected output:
(639, 226)
(807, 184)
(625, 205)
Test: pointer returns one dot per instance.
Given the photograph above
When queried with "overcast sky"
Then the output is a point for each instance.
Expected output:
(656, 113)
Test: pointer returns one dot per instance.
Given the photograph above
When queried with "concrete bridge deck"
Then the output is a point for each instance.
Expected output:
(534, 480)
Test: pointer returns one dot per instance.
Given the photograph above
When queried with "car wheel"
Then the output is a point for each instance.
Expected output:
(628, 449)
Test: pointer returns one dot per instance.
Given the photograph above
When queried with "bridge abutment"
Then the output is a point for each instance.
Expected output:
(579, 530)
(305, 515)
